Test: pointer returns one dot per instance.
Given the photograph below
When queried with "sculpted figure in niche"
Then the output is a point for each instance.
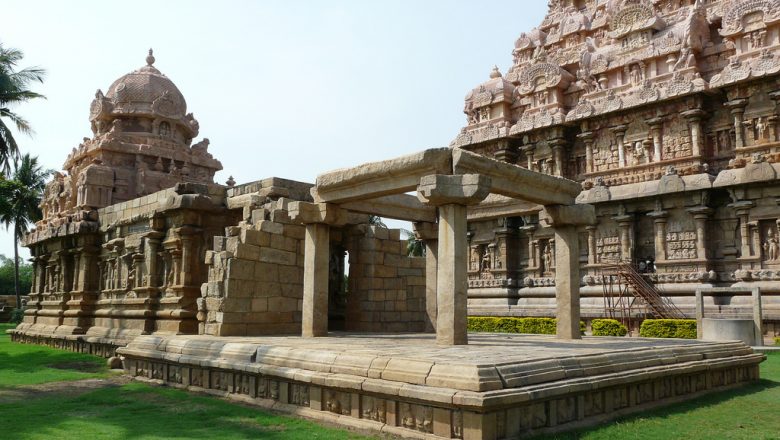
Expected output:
(635, 75)
(639, 153)
(547, 259)
(771, 246)
(486, 259)
(760, 129)
(165, 129)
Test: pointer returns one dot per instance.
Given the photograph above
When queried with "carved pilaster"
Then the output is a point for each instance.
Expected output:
(528, 150)
(660, 219)
(557, 146)
(742, 210)
(591, 244)
(700, 216)
(587, 139)
(656, 129)
(625, 223)
(694, 124)
(737, 108)
(620, 133)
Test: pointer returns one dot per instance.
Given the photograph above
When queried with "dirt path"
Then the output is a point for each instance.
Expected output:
(72, 389)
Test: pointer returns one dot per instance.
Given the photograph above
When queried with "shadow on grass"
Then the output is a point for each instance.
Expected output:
(141, 411)
(658, 414)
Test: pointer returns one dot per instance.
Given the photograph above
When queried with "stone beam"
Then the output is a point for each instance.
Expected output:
(377, 179)
(515, 181)
(497, 206)
(568, 215)
(466, 189)
(321, 213)
(397, 206)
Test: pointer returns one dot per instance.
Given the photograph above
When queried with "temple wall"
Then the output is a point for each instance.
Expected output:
(386, 287)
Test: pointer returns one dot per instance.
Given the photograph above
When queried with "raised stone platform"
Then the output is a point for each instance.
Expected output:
(499, 386)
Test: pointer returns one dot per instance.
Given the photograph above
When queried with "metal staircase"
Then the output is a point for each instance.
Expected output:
(640, 288)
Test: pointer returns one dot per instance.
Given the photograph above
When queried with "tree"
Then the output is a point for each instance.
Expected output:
(7, 276)
(414, 246)
(14, 89)
(21, 207)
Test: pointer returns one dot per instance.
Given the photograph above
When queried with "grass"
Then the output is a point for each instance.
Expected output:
(23, 364)
(751, 412)
(140, 411)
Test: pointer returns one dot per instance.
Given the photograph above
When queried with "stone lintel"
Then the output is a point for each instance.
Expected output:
(461, 189)
(376, 179)
(568, 215)
(515, 181)
(426, 231)
(324, 213)
(396, 206)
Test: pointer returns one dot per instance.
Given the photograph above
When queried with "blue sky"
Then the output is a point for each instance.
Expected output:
(281, 88)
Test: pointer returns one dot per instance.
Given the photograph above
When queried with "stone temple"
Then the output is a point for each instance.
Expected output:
(628, 133)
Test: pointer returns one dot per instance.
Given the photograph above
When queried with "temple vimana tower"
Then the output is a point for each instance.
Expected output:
(664, 111)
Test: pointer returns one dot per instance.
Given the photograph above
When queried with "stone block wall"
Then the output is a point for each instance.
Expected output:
(255, 277)
(386, 287)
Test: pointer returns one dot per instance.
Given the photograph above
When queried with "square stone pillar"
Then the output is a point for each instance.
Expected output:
(565, 219)
(451, 280)
(315, 280)
(452, 194)
(316, 259)
(429, 234)
(567, 282)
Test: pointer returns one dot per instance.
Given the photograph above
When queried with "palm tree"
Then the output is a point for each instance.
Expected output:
(14, 89)
(22, 206)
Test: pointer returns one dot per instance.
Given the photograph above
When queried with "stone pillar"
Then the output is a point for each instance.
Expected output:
(557, 146)
(774, 118)
(659, 223)
(700, 216)
(656, 126)
(318, 217)
(506, 153)
(451, 194)
(591, 243)
(587, 139)
(620, 133)
(564, 220)
(528, 150)
(737, 108)
(694, 123)
(567, 282)
(625, 223)
(315, 280)
(186, 257)
(742, 209)
(429, 234)
(152, 248)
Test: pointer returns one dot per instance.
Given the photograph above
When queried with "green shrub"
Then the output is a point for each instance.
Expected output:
(17, 315)
(668, 328)
(537, 326)
(777, 340)
(608, 327)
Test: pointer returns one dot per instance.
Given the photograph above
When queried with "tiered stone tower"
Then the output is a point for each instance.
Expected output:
(666, 113)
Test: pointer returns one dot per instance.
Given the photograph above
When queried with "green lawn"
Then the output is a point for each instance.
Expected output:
(140, 411)
(749, 413)
(24, 364)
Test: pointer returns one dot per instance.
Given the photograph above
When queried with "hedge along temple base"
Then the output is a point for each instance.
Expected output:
(501, 386)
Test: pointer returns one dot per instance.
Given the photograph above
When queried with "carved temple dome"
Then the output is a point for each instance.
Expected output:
(144, 92)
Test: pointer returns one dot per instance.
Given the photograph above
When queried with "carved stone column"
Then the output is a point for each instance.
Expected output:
(557, 146)
(773, 120)
(620, 133)
(694, 117)
(506, 153)
(587, 139)
(625, 223)
(742, 210)
(591, 243)
(528, 230)
(656, 128)
(737, 108)
(660, 218)
(528, 150)
(451, 194)
(700, 216)
(429, 234)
